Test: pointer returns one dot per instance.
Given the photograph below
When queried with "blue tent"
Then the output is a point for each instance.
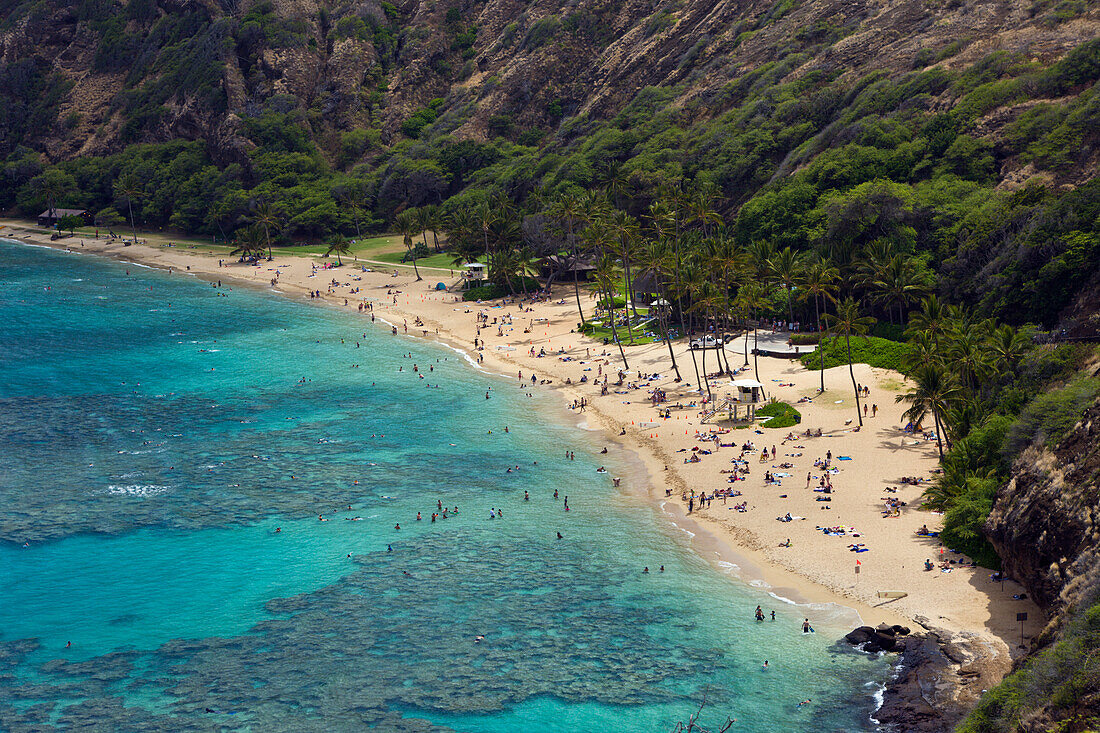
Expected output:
(440, 286)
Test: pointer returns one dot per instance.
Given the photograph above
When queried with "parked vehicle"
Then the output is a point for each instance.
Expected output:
(705, 342)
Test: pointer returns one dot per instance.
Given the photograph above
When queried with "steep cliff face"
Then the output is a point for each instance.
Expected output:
(1045, 526)
(1045, 523)
(151, 71)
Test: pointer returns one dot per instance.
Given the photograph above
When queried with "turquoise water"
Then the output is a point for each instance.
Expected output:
(158, 431)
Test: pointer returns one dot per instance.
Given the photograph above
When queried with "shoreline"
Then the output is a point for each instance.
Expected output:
(743, 540)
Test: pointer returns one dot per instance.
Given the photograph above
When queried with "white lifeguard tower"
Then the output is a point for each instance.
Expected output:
(748, 391)
(475, 272)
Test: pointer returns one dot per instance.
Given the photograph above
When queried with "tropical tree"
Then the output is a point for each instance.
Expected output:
(819, 283)
(129, 189)
(922, 350)
(753, 297)
(526, 266)
(1007, 346)
(249, 242)
(655, 260)
(605, 274)
(69, 223)
(428, 220)
(966, 353)
(935, 392)
(899, 284)
(786, 269)
(932, 318)
(407, 224)
(338, 245)
(700, 203)
(848, 322)
(567, 208)
(51, 184)
(269, 217)
(708, 299)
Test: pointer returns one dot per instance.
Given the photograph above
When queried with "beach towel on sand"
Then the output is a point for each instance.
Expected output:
(844, 458)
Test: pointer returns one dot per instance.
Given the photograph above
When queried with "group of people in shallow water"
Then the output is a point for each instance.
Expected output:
(806, 628)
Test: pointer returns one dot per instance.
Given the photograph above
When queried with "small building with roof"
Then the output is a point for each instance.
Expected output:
(50, 217)
(565, 268)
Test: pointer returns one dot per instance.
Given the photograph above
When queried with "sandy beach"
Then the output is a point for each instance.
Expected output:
(816, 567)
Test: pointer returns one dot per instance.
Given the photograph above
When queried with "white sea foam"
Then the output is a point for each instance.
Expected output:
(133, 490)
(465, 355)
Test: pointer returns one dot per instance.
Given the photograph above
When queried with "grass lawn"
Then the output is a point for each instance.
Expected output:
(443, 260)
(368, 247)
(598, 331)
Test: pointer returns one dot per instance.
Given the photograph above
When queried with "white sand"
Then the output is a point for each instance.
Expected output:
(816, 567)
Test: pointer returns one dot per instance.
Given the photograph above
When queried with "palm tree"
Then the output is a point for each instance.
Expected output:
(753, 296)
(249, 241)
(966, 352)
(787, 271)
(935, 392)
(406, 224)
(526, 266)
(130, 188)
(922, 350)
(729, 265)
(820, 283)
(617, 182)
(760, 254)
(568, 208)
(849, 322)
(428, 220)
(269, 218)
(487, 216)
(1007, 345)
(898, 284)
(932, 318)
(605, 274)
(655, 261)
(626, 230)
(707, 299)
(700, 206)
(338, 245)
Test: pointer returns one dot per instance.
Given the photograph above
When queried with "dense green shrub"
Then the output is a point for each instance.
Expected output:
(870, 350)
(1051, 415)
(485, 292)
(415, 124)
(419, 251)
(782, 415)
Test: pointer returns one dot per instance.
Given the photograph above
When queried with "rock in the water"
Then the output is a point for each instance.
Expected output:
(913, 700)
(860, 635)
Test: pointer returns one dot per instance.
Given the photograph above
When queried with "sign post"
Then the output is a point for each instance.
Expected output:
(1021, 617)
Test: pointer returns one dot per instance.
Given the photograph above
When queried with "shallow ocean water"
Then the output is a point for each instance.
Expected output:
(156, 434)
